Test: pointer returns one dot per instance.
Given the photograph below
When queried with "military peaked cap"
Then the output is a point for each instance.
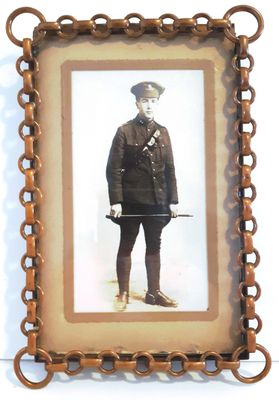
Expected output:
(147, 89)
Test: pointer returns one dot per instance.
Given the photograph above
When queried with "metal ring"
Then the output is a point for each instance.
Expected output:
(36, 126)
(131, 32)
(236, 66)
(241, 254)
(162, 30)
(38, 289)
(70, 35)
(216, 357)
(37, 328)
(36, 159)
(238, 197)
(37, 192)
(16, 13)
(236, 95)
(257, 317)
(108, 353)
(250, 10)
(181, 356)
(97, 33)
(262, 374)
(244, 284)
(237, 125)
(34, 61)
(149, 358)
(20, 375)
(73, 354)
(197, 31)
(239, 154)
(37, 223)
(38, 261)
(22, 103)
(254, 229)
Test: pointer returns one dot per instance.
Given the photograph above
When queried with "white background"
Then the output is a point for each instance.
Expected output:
(265, 109)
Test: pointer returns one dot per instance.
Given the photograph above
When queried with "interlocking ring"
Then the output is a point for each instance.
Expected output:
(182, 357)
(237, 91)
(38, 232)
(146, 355)
(237, 190)
(241, 255)
(235, 63)
(198, 31)
(265, 371)
(75, 354)
(217, 357)
(35, 129)
(34, 62)
(16, 13)
(238, 225)
(131, 32)
(35, 162)
(36, 194)
(33, 385)
(39, 294)
(108, 353)
(74, 28)
(251, 10)
(99, 33)
(163, 30)
(238, 131)
(37, 261)
(37, 98)
(39, 326)
(240, 165)
(244, 285)
(257, 318)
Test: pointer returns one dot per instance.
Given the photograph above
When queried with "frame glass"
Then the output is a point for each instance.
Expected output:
(79, 81)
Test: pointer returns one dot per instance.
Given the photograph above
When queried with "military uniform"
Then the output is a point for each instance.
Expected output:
(141, 177)
(138, 176)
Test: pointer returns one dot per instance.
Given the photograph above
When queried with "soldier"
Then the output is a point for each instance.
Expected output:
(141, 181)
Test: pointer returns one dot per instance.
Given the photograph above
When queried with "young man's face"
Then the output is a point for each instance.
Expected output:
(147, 106)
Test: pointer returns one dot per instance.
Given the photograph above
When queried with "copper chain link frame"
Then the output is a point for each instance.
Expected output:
(244, 193)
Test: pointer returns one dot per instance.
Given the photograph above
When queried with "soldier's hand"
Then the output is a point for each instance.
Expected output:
(116, 210)
(173, 210)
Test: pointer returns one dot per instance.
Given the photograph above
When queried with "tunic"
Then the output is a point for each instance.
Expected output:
(141, 173)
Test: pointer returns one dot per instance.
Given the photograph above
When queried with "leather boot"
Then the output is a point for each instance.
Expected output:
(154, 296)
(123, 268)
(153, 265)
(160, 299)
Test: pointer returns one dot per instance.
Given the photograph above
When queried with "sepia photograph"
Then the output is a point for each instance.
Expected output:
(139, 198)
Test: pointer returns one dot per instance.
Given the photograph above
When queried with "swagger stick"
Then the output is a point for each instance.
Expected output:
(149, 215)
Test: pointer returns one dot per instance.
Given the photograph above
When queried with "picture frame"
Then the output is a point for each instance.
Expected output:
(71, 285)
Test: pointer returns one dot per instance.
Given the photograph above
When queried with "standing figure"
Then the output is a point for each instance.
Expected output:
(141, 181)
